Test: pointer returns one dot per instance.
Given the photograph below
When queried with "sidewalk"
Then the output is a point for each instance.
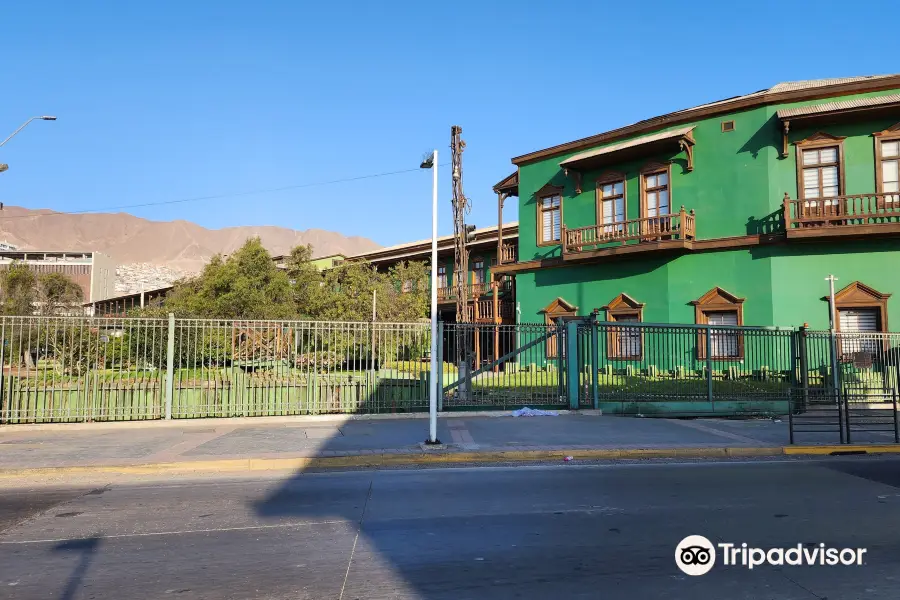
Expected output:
(297, 442)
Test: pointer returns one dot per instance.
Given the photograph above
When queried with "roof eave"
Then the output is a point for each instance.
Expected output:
(691, 114)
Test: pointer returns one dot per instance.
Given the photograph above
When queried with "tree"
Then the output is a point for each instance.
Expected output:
(402, 293)
(18, 290)
(245, 285)
(56, 294)
(306, 280)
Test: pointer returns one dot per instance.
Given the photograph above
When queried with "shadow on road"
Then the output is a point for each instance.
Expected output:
(87, 549)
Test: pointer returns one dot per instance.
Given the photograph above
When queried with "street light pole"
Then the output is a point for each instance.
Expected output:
(436, 370)
(23, 125)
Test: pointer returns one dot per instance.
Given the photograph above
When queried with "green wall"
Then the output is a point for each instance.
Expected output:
(783, 284)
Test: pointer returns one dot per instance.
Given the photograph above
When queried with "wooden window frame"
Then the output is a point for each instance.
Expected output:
(606, 179)
(891, 134)
(444, 274)
(725, 128)
(621, 306)
(653, 169)
(558, 309)
(548, 191)
(859, 295)
(814, 142)
(718, 300)
(476, 270)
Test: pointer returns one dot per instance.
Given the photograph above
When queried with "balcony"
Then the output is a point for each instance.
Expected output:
(482, 311)
(675, 230)
(856, 215)
(446, 294)
(508, 254)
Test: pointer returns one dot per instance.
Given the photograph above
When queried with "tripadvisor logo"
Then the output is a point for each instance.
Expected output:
(696, 555)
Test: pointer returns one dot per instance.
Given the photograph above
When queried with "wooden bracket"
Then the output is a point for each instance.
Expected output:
(688, 148)
(784, 139)
(576, 177)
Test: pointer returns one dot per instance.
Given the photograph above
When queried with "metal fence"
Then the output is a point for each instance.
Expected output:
(848, 386)
(61, 369)
(66, 369)
(671, 370)
(502, 366)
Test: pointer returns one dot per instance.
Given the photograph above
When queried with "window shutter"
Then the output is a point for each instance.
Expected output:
(860, 320)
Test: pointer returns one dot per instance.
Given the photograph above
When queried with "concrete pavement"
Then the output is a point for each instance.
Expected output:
(247, 444)
(529, 532)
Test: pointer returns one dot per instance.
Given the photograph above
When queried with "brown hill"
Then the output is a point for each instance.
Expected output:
(179, 244)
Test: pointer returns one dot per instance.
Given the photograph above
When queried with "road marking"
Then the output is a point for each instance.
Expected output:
(184, 531)
(356, 539)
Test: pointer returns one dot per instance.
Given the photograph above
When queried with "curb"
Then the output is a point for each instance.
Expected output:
(311, 420)
(245, 465)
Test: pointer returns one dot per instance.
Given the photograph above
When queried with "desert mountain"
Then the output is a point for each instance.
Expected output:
(181, 245)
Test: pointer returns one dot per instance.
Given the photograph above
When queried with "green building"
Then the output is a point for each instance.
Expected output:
(732, 212)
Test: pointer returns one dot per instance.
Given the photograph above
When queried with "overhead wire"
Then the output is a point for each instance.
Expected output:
(212, 197)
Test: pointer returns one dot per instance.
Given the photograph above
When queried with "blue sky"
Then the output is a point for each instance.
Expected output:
(167, 100)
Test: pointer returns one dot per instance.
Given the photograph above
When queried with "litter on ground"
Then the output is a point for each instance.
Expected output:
(534, 412)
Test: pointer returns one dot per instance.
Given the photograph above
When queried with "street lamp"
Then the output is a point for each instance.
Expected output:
(44, 118)
(431, 162)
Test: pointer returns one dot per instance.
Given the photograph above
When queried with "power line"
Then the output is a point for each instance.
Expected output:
(217, 196)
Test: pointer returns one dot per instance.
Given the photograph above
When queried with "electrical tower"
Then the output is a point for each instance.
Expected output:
(460, 209)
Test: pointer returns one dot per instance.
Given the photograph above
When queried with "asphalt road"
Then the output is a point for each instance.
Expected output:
(560, 532)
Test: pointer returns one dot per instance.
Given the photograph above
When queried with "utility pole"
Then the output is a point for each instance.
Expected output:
(460, 258)
(460, 209)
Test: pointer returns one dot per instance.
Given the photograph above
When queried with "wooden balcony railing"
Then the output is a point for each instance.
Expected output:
(680, 225)
(856, 211)
(482, 311)
(480, 289)
(445, 294)
(508, 254)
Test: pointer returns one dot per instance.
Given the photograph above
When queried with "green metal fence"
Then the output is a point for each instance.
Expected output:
(651, 369)
(66, 369)
(502, 366)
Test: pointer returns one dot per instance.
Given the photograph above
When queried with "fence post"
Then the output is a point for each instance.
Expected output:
(4, 406)
(709, 375)
(595, 361)
(836, 386)
(170, 366)
(804, 366)
(572, 363)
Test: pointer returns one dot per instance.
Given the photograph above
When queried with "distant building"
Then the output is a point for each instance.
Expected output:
(323, 263)
(95, 272)
(120, 306)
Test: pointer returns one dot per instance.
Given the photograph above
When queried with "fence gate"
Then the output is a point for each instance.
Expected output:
(503, 366)
(848, 387)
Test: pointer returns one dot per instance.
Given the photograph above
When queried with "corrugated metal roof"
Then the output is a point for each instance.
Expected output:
(815, 109)
(647, 139)
(441, 239)
(789, 86)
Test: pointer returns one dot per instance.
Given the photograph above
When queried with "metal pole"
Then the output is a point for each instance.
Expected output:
(835, 383)
(170, 366)
(436, 378)
(372, 350)
(23, 125)
(709, 374)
